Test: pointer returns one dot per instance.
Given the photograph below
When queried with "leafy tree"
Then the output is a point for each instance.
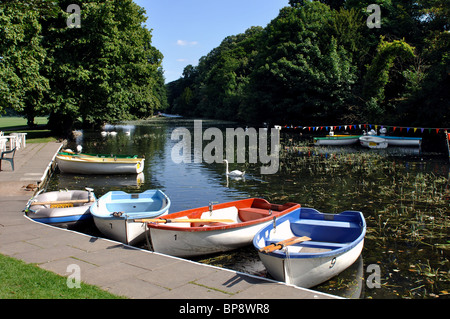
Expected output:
(224, 84)
(377, 76)
(303, 73)
(318, 62)
(22, 83)
(105, 71)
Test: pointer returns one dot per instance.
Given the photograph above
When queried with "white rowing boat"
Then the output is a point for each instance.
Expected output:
(214, 228)
(61, 208)
(114, 213)
(76, 164)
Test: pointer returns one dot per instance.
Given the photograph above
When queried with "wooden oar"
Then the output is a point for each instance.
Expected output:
(287, 242)
(56, 202)
(187, 220)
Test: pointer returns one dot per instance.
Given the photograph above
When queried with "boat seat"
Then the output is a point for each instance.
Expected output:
(250, 213)
(327, 231)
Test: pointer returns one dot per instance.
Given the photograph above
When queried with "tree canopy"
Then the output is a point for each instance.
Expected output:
(318, 62)
(104, 71)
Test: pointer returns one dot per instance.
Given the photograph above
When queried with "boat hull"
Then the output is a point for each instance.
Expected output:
(310, 272)
(114, 213)
(62, 215)
(181, 243)
(336, 243)
(336, 140)
(79, 165)
(403, 141)
(373, 142)
(246, 217)
(123, 230)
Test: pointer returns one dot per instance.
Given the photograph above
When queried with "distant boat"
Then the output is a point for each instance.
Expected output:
(170, 115)
(115, 211)
(372, 141)
(214, 228)
(305, 247)
(402, 141)
(61, 208)
(99, 164)
(336, 140)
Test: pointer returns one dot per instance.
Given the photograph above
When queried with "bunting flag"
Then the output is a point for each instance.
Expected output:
(348, 127)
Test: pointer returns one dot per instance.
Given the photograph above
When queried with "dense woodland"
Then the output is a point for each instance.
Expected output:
(104, 71)
(318, 63)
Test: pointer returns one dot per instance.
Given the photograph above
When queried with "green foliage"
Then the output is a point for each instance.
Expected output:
(22, 85)
(304, 73)
(105, 71)
(26, 281)
(318, 62)
(377, 76)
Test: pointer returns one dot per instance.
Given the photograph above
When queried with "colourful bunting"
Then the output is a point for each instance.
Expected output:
(364, 126)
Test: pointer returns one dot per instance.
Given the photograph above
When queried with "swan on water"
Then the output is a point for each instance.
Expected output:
(233, 173)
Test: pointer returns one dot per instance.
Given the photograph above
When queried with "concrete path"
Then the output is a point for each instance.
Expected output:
(117, 268)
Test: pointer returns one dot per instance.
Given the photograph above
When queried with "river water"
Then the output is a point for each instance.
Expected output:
(402, 194)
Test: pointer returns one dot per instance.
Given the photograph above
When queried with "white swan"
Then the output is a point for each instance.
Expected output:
(233, 173)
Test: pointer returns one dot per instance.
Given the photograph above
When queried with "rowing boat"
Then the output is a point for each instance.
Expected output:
(76, 164)
(305, 247)
(336, 140)
(375, 142)
(402, 141)
(96, 155)
(61, 208)
(214, 228)
(115, 211)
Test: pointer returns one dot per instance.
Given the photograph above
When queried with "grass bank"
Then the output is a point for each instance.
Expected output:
(19, 280)
(19, 125)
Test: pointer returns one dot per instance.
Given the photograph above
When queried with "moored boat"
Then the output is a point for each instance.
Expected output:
(402, 141)
(61, 208)
(115, 211)
(78, 164)
(336, 140)
(314, 246)
(69, 152)
(214, 228)
(372, 141)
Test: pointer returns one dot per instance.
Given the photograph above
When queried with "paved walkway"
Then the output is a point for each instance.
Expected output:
(117, 268)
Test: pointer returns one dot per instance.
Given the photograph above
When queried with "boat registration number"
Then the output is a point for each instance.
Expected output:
(61, 205)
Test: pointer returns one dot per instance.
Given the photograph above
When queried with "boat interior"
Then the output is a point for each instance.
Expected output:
(327, 231)
(135, 203)
(239, 212)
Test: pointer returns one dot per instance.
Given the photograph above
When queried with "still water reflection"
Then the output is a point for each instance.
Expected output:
(402, 198)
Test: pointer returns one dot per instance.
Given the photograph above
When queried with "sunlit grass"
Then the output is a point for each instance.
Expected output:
(19, 280)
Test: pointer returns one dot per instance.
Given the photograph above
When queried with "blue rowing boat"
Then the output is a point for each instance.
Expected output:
(307, 247)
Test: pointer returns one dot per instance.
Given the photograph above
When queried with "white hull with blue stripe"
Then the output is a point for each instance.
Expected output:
(336, 243)
(61, 208)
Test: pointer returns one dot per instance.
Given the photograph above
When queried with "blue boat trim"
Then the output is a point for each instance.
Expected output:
(119, 201)
(62, 219)
(400, 137)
